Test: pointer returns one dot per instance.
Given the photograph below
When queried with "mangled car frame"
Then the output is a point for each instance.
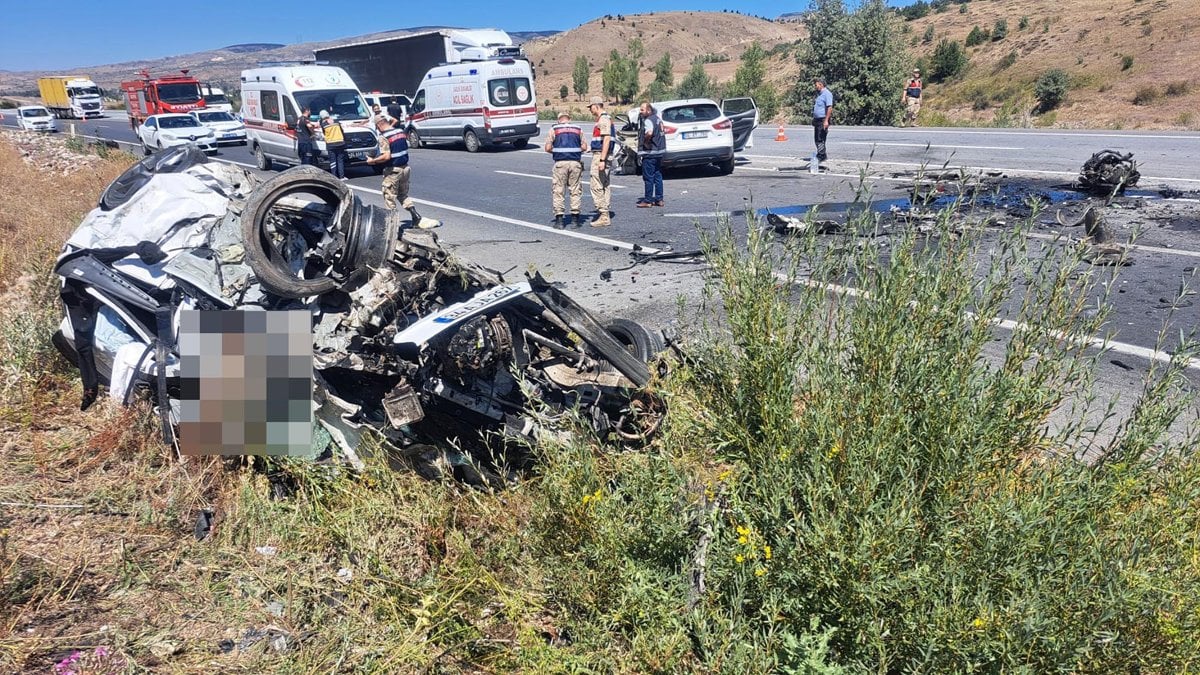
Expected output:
(408, 342)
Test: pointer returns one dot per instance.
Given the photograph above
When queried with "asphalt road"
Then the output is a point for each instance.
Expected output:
(496, 208)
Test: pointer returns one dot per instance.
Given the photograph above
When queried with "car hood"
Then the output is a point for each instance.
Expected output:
(40, 118)
(188, 131)
(224, 126)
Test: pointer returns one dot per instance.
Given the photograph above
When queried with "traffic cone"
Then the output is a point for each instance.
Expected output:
(781, 136)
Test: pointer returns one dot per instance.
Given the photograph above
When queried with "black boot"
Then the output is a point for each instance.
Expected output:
(578, 219)
(558, 221)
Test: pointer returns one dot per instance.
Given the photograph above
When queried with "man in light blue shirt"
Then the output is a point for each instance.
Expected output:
(822, 113)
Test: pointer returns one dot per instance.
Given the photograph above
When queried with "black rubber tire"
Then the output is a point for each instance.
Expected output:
(725, 167)
(273, 274)
(640, 341)
(261, 160)
(414, 139)
(471, 141)
(145, 150)
(521, 143)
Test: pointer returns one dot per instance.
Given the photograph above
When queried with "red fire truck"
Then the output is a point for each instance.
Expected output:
(153, 96)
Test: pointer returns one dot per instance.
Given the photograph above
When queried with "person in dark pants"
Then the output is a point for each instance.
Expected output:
(652, 145)
(335, 144)
(304, 137)
(822, 114)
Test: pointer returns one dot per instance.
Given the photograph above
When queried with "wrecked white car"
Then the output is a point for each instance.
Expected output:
(409, 344)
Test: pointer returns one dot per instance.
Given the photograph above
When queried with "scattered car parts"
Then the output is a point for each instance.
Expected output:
(411, 346)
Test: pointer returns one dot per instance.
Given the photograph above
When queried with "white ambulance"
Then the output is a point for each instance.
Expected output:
(273, 97)
(478, 103)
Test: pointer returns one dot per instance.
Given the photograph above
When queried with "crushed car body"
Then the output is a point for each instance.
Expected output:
(410, 344)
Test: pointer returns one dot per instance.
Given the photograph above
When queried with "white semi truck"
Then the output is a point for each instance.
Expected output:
(71, 96)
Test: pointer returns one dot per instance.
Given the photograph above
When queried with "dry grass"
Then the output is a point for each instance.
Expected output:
(1088, 39)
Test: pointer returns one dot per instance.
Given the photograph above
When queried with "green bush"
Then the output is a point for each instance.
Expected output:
(866, 483)
(1007, 60)
(999, 30)
(7, 104)
(1126, 62)
(927, 37)
(949, 59)
(977, 36)
(1051, 88)
(563, 92)
(1023, 23)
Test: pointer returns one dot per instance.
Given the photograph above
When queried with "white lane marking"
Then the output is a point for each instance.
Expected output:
(756, 168)
(522, 223)
(930, 145)
(534, 175)
(1134, 247)
(762, 130)
(1010, 325)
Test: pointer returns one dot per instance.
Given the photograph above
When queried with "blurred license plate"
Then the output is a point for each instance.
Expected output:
(358, 154)
(505, 132)
(695, 134)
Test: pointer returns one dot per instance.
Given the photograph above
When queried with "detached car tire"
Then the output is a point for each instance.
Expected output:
(272, 271)
(639, 340)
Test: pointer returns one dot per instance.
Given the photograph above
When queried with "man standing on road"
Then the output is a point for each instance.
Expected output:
(601, 174)
(304, 137)
(822, 114)
(565, 145)
(912, 99)
(393, 155)
(335, 144)
(652, 145)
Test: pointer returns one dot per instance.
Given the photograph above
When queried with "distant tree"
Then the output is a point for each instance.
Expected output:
(949, 59)
(664, 72)
(580, 76)
(999, 30)
(750, 73)
(620, 74)
(861, 56)
(928, 36)
(977, 36)
(917, 10)
(696, 84)
(563, 92)
(1051, 88)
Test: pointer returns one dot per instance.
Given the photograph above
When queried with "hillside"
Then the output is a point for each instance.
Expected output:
(1093, 41)
(685, 35)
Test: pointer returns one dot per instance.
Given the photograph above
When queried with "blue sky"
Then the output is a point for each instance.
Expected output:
(76, 33)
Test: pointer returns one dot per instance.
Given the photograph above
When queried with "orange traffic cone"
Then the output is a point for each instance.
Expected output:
(781, 136)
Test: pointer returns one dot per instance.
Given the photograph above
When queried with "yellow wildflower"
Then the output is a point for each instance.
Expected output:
(739, 558)
(724, 475)
(760, 571)
(743, 530)
(835, 450)
(743, 540)
(978, 623)
(767, 552)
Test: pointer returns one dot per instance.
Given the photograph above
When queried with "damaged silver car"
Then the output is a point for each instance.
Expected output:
(410, 344)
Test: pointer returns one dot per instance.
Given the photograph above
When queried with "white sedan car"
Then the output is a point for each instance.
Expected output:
(35, 118)
(699, 131)
(226, 127)
(170, 130)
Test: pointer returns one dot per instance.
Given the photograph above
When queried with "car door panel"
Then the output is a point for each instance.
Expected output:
(743, 113)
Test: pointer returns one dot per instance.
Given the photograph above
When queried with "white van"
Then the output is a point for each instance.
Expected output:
(273, 97)
(480, 103)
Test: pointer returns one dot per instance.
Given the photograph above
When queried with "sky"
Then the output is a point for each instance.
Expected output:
(77, 33)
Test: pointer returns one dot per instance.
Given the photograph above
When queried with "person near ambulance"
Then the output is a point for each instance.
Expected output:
(393, 156)
(566, 146)
(305, 147)
(601, 173)
(335, 144)
(912, 98)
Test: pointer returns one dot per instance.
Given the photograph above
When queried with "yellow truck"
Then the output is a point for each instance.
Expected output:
(71, 96)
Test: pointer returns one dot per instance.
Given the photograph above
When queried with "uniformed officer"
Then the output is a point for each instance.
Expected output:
(393, 155)
(601, 174)
(565, 144)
